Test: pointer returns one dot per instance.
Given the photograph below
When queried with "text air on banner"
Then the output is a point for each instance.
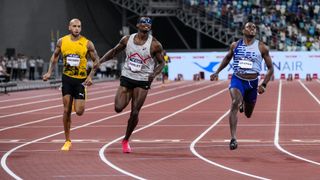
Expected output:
(190, 63)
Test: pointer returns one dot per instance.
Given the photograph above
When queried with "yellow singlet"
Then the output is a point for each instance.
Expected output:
(74, 57)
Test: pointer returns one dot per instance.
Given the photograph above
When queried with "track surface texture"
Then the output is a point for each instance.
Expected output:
(183, 133)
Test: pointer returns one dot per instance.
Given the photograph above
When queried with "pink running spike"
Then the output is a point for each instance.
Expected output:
(126, 147)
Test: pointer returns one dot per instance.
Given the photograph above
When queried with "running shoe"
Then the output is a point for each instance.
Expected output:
(233, 144)
(126, 147)
(66, 146)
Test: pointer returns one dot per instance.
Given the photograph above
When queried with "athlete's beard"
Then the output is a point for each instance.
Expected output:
(145, 31)
(250, 36)
(75, 35)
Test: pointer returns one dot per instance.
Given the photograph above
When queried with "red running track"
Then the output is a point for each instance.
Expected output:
(183, 133)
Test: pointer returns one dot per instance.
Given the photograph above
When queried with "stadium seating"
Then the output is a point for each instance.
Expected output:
(285, 25)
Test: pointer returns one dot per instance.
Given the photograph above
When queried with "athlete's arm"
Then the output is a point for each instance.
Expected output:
(53, 60)
(95, 59)
(267, 59)
(156, 50)
(114, 51)
(225, 61)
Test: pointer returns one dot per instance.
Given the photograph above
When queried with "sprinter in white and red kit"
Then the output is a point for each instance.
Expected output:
(144, 61)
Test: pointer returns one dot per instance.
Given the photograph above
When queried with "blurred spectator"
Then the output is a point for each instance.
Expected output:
(15, 67)
(8, 65)
(110, 66)
(32, 66)
(103, 69)
(4, 76)
(22, 66)
(115, 69)
(40, 63)
(285, 24)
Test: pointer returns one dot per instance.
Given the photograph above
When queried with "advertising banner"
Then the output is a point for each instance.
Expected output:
(189, 63)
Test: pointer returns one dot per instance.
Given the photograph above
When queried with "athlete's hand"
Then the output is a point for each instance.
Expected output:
(88, 81)
(214, 76)
(261, 89)
(46, 76)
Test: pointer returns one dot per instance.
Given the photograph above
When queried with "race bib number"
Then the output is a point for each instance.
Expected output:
(245, 64)
(73, 60)
(135, 65)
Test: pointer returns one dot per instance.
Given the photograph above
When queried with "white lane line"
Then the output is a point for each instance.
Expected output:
(277, 132)
(7, 154)
(102, 150)
(171, 125)
(59, 98)
(77, 140)
(81, 176)
(46, 95)
(306, 140)
(192, 149)
(30, 111)
(311, 94)
(60, 105)
(164, 141)
(96, 107)
(28, 103)
(166, 147)
(52, 99)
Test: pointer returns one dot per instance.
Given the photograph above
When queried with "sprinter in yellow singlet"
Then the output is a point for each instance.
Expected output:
(74, 49)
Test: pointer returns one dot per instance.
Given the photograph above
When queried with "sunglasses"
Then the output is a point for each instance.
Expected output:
(145, 21)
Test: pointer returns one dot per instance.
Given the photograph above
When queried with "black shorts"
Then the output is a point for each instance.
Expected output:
(73, 87)
(131, 84)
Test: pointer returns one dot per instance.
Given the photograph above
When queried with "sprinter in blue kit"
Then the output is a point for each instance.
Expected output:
(247, 54)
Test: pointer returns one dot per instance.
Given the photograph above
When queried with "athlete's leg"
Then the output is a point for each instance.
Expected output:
(248, 109)
(122, 99)
(236, 97)
(67, 105)
(79, 106)
(138, 98)
(80, 95)
(250, 98)
(163, 77)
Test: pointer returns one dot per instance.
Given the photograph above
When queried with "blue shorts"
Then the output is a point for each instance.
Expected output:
(248, 88)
